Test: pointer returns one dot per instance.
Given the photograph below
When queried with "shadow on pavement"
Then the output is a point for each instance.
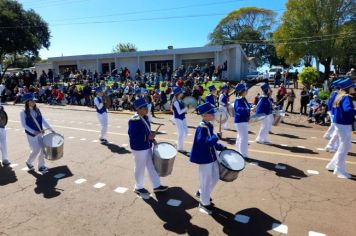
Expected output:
(176, 219)
(192, 127)
(116, 149)
(352, 154)
(259, 223)
(46, 184)
(294, 149)
(7, 175)
(296, 125)
(231, 141)
(290, 136)
(290, 171)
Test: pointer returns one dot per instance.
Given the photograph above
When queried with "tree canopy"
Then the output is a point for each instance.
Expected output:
(251, 25)
(316, 28)
(22, 32)
(125, 47)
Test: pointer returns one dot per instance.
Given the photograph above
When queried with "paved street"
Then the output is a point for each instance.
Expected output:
(285, 190)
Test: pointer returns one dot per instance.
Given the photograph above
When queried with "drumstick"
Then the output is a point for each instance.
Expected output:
(159, 126)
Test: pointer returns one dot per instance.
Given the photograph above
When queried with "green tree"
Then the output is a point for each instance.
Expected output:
(124, 47)
(22, 34)
(313, 28)
(308, 76)
(248, 26)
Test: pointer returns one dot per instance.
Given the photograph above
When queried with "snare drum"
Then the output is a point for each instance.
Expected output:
(231, 163)
(221, 115)
(53, 144)
(163, 158)
(278, 116)
(257, 117)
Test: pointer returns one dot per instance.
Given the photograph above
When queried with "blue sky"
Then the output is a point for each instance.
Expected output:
(95, 26)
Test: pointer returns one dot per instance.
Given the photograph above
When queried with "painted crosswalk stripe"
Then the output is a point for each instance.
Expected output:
(174, 202)
(95, 141)
(242, 218)
(83, 139)
(120, 189)
(313, 172)
(99, 185)
(80, 181)
(300, 147)
(284, 145)
(312, 233)
(280, 228)
(71, 137)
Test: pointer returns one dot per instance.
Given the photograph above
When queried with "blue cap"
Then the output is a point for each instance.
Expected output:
(346, 83)
(99, 89)
(265, 87)
(335, 83)
(206, 108)
(145, 91)
(138, 90)
(224, 87)
(212, 87)
(177, 90)
(141, 102)
(240, 88)
(28, 97)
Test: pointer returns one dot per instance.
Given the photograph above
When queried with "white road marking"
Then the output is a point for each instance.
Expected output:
(254, 163)
(163, 132)
(144, 196)
(280, 167)
(121, 189)
(312, 233)
(99, 185)
(14, 165)
(300, 147)
(242, 219)
(25, 169)
(320, 149)
(174, 202)
(83, 139)
(17, 130)
(80, 181)
(284, 145)
(60, 175)
(313, 137)
(118, 126)
(80, 122)
(95, 141)
(190, 134)
(313, 172)
(124, 145)
(280, 228)
(71, 137)
(250, 141)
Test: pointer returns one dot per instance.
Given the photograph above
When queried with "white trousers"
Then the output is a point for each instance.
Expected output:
(266, 125)
(331, 129)
(344, 134)
(242, 138)
(3, 144)
(143, 159)
(103, 120)
(149, 114)
(334, 141)
(226, 124)
(36, 150)
(182, 132)
(208, 178)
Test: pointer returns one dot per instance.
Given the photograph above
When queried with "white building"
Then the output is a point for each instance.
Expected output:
(152, 61)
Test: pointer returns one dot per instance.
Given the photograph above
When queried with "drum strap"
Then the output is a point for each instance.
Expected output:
(216, 153)
(34, 120)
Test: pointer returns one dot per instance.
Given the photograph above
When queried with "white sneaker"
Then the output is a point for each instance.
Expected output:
(329, 149)
(342, 174)
(328, 137)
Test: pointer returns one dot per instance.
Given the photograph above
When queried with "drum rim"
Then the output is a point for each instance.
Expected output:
(7, 118)
(169, 144)
(239, 155)
(53, 134)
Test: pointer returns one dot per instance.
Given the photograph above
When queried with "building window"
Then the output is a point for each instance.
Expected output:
(67, 68)
(105, 68)
(194, 62)
(156, 66)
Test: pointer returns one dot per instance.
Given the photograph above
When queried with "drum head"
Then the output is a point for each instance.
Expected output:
(190, 101)
(221, 116)
(164, 150)
(232, 160)
(53, 140)
(257, 117)
(3, 118)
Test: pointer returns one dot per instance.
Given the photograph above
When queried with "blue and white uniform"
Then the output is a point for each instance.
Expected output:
(139, 131)
(223, 105)
(210, 98)
(331, 133)
(3, 144)
(102, 114)
(265, 106)
(344, 116)
(242, 116)
(204, 154)
(179, 111)
(32, 123)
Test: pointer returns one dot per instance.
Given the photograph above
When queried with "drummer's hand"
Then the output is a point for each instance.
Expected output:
(224, 148)
(151, 136)
(36, 133)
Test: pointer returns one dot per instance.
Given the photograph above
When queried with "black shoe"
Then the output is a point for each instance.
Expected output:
(102, 140)
(29, 166)
(43, 170)
(160, 189)
(141, 191)
(208, 208)
(6, 163)
(197, 196)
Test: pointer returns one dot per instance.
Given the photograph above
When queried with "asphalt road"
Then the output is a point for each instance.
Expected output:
(93, 193)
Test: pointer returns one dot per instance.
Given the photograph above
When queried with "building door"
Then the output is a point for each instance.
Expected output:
(156, 66)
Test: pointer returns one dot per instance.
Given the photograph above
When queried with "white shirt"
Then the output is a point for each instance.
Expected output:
(45, 125)
(98, 104)
(266, 75)
(180, 111)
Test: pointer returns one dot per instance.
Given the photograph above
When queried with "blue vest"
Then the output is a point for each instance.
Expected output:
(138, 133)
(176, 115)
(331, 101)
(345, 113)
(30, 123)
(203, 146)
(210, 99)
(264, 106)
(103, 109)
(224, 99)
(242, 110)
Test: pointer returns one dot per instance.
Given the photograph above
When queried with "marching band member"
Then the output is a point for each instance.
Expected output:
(344, 115)
(242, 115)
(34, 124)
(223, 104)
(179, 111)
(265, 106)
(211, 96)
(204, 154)
(141, 139)
(3, 144)
(101, 113)
(331, 134)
